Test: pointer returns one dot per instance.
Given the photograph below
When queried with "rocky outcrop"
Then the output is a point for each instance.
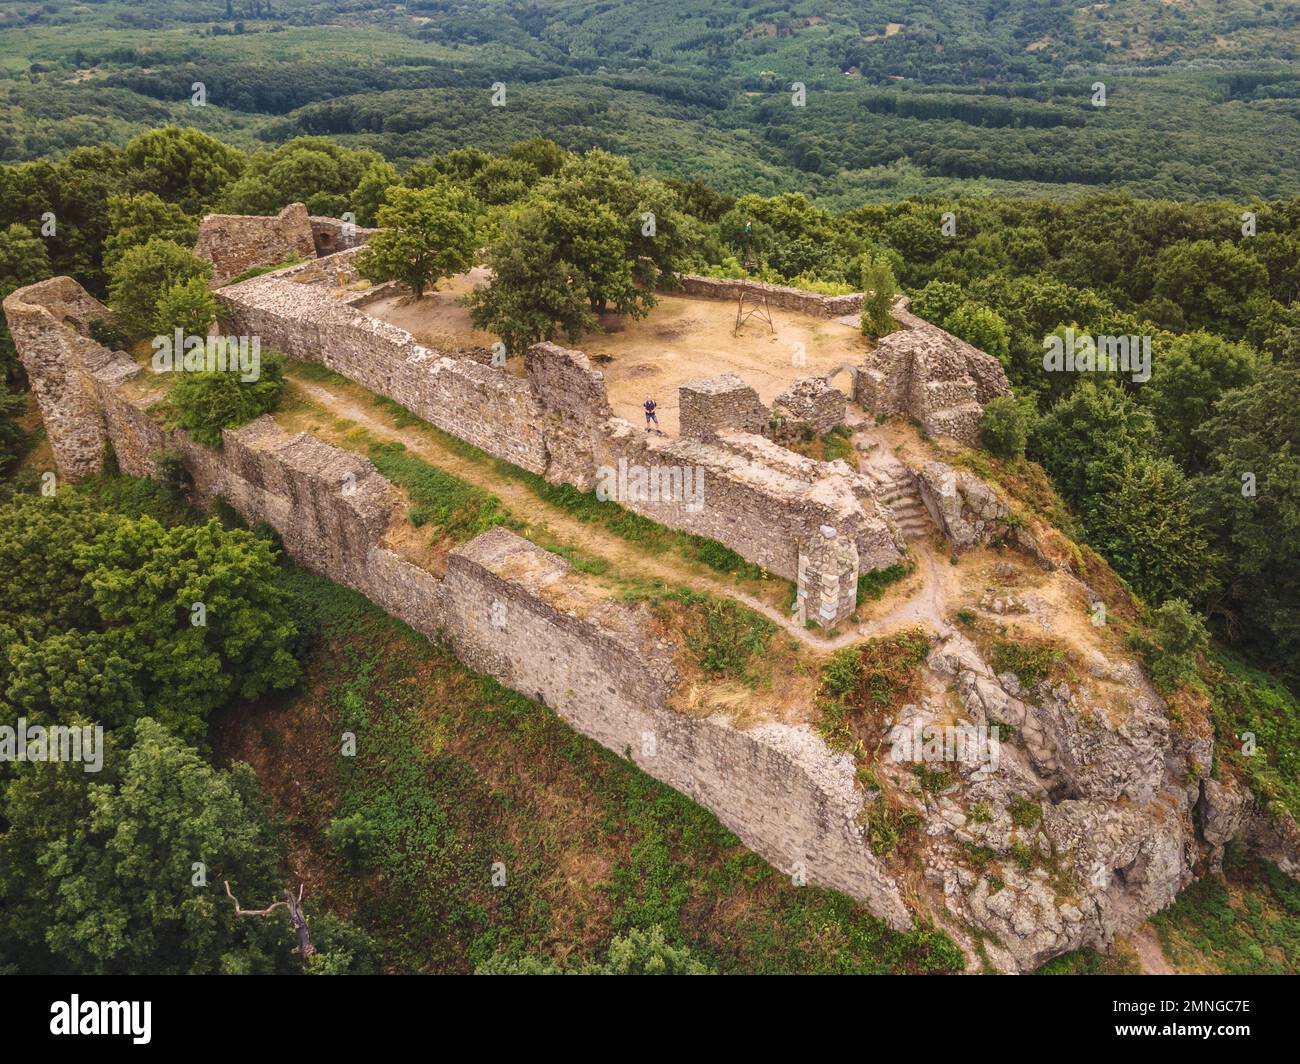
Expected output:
(1084, 828)
(969, 511)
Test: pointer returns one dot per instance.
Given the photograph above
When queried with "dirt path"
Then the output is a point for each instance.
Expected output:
(926, 607)
(1150, 956)
(594, 541)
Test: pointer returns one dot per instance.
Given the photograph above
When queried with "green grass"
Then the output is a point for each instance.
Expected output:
(1246, 922)
(1246, 702)
(456, 509)
(875, 582)
(724, 637)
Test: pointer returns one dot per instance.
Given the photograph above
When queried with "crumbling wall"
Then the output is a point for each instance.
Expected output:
(819, 306)
(510, 611)
(300, 313)
(50, 322)
(509, 608)
(575, 411)
(334, 234)
(812, 402)
(926, 373)
(234, 243)
(555, 421)
(710, 405)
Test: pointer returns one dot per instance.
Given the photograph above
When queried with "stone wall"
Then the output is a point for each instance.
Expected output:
(50, 322)
(812, 402)
(509, 608)
(804, 302)
(523, 616)
(709, 405)
(555, 420)
(301, 313)
(234, 243)
(333, 234)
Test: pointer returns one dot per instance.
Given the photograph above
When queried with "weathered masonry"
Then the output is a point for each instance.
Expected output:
(509, 608)
(816, 523)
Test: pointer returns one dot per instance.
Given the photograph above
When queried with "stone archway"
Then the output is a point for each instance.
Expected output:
(852, 371)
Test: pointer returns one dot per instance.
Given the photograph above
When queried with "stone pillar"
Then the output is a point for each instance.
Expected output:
(828, 578)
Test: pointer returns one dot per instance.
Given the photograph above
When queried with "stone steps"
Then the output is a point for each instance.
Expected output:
(896, 490)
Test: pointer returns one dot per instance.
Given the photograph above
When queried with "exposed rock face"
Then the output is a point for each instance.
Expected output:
(1113, 839)
(234, 243)
(968, 511)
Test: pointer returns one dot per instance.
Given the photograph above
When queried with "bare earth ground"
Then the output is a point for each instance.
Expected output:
(682, 338)
(438, 318)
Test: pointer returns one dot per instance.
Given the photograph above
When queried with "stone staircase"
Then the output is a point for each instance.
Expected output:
(897, 492)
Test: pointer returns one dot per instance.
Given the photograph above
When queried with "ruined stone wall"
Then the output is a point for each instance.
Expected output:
(509, 608)
(931, 375)
(507, 612)
(333, 234)
(819, 306)
(709, 405)
(50, 322)
(811, 402)
(234, 243)
(555, 421)
(300, 313)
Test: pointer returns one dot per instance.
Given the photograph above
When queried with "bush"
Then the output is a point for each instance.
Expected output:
(355, 838)
(879, 288)
(1004, 428)
(1174, 640)
(204, 403)
(188, 306)
(143, 275)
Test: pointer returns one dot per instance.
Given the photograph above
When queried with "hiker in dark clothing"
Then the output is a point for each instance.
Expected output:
(650, 405)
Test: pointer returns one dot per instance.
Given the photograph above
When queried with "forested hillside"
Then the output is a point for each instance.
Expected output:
(952, 151)
(900, 98)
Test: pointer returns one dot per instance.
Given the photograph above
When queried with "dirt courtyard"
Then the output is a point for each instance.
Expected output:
(681, 339)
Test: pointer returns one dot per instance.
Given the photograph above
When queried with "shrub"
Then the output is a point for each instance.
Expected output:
(204, 403)
(1174, 640)
(1029, 662)
(1004, 428)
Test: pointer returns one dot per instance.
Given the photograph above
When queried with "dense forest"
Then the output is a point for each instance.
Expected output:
(1201, 99)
